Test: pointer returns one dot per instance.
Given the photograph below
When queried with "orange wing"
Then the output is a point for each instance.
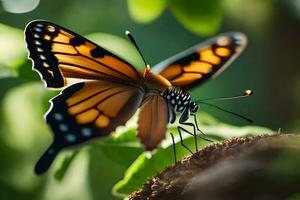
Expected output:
(60, 56)
(197, 64)
(153, 120)
(85, 111)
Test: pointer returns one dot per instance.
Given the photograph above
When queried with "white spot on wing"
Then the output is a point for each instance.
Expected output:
(223, 41)
(63, 127)
(51, 28)
(42, 57)
(37, 42)
(38, 49)
(51, 151)
(45, 64)
(70, 138)
(87, 132)
(37, 29)
(58, 116)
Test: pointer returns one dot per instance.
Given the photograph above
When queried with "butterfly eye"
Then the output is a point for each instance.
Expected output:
(194, 107)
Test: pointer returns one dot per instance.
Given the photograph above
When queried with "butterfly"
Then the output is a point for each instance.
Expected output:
(103, 91)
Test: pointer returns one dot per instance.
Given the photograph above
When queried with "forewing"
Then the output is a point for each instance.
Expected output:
(85, 111)
(153, 120)
(203, 61)
(61, 56)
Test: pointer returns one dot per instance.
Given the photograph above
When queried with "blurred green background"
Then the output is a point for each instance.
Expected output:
(162, 28)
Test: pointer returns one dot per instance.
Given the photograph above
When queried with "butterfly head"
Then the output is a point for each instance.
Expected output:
(194, 107)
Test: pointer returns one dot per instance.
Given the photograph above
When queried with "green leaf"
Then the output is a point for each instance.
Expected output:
(103, 174)
(25, 72)
(200, 17)
(75, 184)
(13, 55)
(7, 72)
(118, 46)
(147, 164)
(8, 83)
(12, 49)
(125, 142)
(145, 11)
(60, 173)
(23, 110)
(23, 130)
(295, 196)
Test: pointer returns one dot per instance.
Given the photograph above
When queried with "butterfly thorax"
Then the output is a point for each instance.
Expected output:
(179, 100)
(153, 81)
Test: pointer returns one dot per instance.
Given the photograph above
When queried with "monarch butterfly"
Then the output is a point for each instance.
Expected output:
(103, 91)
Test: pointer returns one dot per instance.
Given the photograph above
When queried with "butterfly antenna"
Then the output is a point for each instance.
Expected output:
(247, 93)
(227, 111)
(129, 35)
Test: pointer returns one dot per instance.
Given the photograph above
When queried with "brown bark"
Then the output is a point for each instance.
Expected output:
(239, 168)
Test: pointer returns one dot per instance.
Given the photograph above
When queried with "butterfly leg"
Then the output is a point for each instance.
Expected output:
(198, 129)
(174, 148)
(179, 128)
(193, 134)
(182, 120)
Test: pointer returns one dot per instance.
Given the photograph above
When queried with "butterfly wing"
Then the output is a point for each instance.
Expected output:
(153, 120)
(61, 56)
(203, 61)
(85, 111)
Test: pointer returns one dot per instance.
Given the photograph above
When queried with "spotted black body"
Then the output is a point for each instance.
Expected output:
(179, 101)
